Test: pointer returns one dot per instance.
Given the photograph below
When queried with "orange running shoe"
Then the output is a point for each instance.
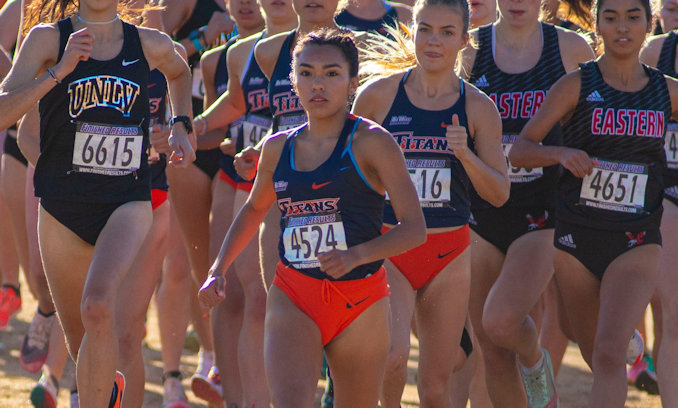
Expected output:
(10, 303)
(118, 388)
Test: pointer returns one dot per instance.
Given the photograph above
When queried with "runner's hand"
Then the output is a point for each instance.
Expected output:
(183, 153)
(213, 291)
(576, 161)
(246, 163)
(78, 48)
(456, 136)
(227, 147)
(219, 23)
(159, 135)
(337, 262)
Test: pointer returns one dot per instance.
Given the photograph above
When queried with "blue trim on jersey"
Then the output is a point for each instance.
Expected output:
(349, 150)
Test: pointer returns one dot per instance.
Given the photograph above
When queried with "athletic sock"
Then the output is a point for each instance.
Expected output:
(535, 368)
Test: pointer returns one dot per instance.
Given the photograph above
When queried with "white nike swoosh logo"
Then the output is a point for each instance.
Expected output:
(126, 63)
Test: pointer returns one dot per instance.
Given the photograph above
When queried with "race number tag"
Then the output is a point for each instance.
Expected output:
(432, 179)
(198, 86)
(671, 146)
(306, 237)
(615, 186)
(107, 149)
(254, 128)
(518, 174)
(234, 128)
(290, 121)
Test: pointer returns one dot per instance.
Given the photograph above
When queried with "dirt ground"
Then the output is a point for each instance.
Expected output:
(574, 380)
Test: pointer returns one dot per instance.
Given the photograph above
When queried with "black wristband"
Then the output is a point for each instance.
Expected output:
(183, 119)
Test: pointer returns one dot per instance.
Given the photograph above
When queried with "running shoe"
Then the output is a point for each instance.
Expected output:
(173, 395)
(540, 386)
(35, 346)
(10, 303)
(75, 403)
(207, 388)
(327, 401)
(646, 379)
(118, 388)
(636, 348)
(44, 394)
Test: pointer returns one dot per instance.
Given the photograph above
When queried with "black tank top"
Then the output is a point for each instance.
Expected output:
(94, 128)
(667, 65)
(283, 101)
(202, 12)
(623, 132)
(518, 97)
(439, 177)
(331, 207)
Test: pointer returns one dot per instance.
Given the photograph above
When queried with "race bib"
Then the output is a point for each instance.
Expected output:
(255, 128)
(671, 146)
(290, 121)
(518, 174)
(615, 186)
(432, 179)
(198, 85)
(234, 128)
(306, 237)
(107, 149)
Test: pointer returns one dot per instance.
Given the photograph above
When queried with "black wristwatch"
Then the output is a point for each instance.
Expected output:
(183, 119)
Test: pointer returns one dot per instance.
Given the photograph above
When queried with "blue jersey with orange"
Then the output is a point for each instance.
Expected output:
(331, 207)
(283, 101)
(157, 99)
(258, 117)
(439, 177)
(518, 96)
(221, 85)
(378, 26)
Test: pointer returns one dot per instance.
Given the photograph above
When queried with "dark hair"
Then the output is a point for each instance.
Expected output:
(645, 3)
(51, 11)
(341, 40)
(461, 5)
(579, 11)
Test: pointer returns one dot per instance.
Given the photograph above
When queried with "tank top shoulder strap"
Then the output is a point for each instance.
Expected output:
(250, 59)
(286, 49)
(484, 60)
(590, 77)
(132, 40)
(550, 46)
(401, 93)
(65, 30)
(667, 56)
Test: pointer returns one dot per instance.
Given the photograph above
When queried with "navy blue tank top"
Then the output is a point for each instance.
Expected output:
(667, 65)
(623, 132)
(518, 97)
(331, 207)
(439, 177)
(221, 85)
(378, 26)
(283, 101)
(201, 15)
(94, 128)
(258, 117)
(157, 99)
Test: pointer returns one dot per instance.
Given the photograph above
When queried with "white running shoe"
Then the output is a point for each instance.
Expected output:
(540, 385)
(44, 394)
(636, 348)
(173, 395)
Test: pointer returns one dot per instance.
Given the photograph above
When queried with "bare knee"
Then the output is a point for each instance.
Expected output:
(255, 300)
(433, 391)
(396, 362)
(292, 397)
(608, 355)
(96, 311)
(500, 327)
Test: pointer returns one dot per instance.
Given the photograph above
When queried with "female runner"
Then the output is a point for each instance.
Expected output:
(94, 211)
(373, 16)
(516, 61)
(245, 107)
(660, 52)
(330, 291)
(614, 113)
(429, 115)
